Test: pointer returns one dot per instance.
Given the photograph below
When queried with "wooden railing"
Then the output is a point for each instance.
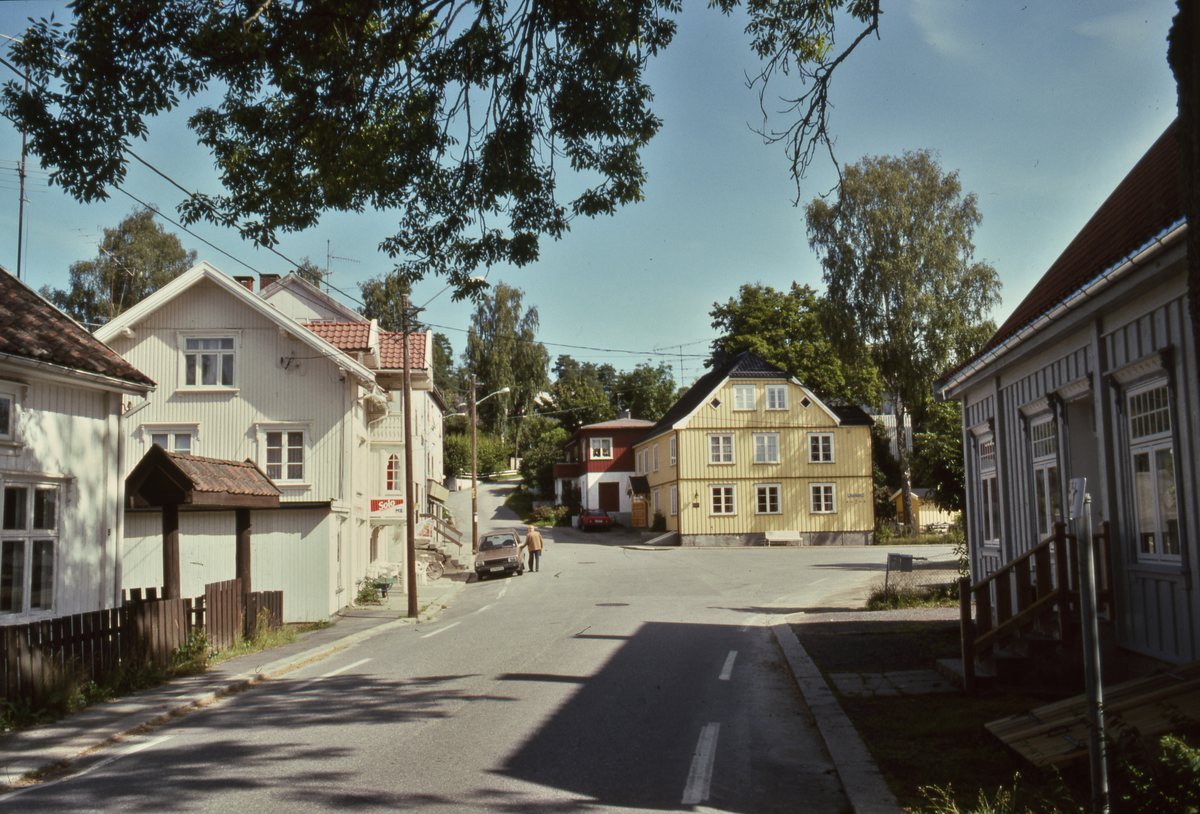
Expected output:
(1024, 592)
(451, 534)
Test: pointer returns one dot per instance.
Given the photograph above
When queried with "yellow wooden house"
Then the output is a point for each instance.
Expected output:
(750, 456)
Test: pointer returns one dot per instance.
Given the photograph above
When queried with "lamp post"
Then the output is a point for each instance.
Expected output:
(475, 463)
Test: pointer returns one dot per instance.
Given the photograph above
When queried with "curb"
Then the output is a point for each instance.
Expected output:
(861, 779)
(137, 720)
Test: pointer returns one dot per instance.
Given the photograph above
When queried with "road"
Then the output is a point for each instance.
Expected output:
(615, 679)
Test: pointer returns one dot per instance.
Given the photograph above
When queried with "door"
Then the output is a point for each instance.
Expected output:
(638, 521)
(610, 497)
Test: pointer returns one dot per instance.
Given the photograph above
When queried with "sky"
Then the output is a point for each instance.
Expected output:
(1042, 107)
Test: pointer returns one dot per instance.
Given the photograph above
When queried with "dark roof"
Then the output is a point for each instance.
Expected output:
(169, 478)
(639, 484)
(32, 328)
(746, 365)
(618, 424)
(1146, 205)
(851, 416)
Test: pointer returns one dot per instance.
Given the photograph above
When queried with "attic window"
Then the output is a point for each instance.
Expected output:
(805, 401)
(715, 403)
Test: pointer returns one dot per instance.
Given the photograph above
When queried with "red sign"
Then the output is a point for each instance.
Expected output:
(387, 506)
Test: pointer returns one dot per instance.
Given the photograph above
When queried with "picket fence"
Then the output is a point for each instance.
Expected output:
(40, 658)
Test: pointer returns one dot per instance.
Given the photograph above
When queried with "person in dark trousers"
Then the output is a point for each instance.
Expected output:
(533, 542)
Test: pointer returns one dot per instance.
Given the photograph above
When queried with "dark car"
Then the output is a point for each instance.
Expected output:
(594, 519)
(499, 553)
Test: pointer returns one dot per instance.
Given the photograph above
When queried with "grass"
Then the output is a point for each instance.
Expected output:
(913, 596)
(521, 503)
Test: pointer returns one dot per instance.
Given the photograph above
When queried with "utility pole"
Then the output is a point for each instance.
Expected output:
(474, 476)
(410, 519)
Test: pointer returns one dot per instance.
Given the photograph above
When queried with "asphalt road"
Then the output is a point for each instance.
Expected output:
(614, 679)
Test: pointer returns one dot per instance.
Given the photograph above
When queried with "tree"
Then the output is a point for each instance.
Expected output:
(136, 259)
(444, 373)
(381, 300)
(938, 456)
(786, 329)
(502, 351)
(537, 464)
(646, 392)
(311, 272)
(896, 256)
(457, 114)
(578, 401)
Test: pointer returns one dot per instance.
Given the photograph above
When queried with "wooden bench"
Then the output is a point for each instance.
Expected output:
(784, 538)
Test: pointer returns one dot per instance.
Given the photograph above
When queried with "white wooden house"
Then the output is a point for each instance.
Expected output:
(1095, 376)
(61, 396)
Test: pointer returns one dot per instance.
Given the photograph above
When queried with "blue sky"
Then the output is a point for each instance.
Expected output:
(1041, 106)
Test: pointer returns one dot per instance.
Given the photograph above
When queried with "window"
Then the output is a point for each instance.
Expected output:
(177, 442)
(283, 453)
(822, 498)
(766, 448)
(766, 498)
(655, 453)
(743, 397)
(28, 539)
(672, 450)
(989, 492)
(776, 396)
(674, 500)
(721, 499)
(1048, 494)
(1154, 489)
(208, 361)
(10, 407)
(395, 476)
(720, 449)
(820, 447)
(601, 449)
(654, 495)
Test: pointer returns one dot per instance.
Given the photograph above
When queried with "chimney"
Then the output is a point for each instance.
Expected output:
(248, 282)
(265, 280)
(624, 414)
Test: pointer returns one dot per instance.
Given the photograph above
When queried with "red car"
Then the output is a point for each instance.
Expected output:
(594, 519)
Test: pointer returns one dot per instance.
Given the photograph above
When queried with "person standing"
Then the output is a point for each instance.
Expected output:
(533, 542)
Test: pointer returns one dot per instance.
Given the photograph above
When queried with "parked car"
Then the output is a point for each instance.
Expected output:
(499, 553)
(594, 519)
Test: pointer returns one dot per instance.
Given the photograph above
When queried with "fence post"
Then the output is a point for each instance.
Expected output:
(967, 631)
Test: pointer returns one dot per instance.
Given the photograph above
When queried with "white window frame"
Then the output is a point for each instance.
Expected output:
(989, 492)
(654, 449)
(728, 500)
(673, 450)
(393, 472)
(11, 393)
(28, 538)
(654, 502)
(823, 452)
(763, 447)
(263, 431)
(172, 431)
(674, 500)
(1047, 494)
(1150, 422)
(769, 490)
(720, 453)
(743, 397)
(822, 498)
(775, 396)
(600, 449)
(182, 338)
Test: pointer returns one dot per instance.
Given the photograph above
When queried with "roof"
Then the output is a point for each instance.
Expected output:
(619, 424)
(1145, 207)
(169, 478)
(391, 352)
(852, 416)
(346, 336)
(31, 328)
(745, 365)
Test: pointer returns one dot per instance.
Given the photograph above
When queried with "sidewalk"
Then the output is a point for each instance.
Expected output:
(55, 746)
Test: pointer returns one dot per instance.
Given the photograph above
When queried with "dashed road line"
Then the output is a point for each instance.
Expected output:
(330, 674)
(439, 630)
(700, 777)
(727, 670)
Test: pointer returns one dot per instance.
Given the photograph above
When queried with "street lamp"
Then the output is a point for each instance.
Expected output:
(475, 463)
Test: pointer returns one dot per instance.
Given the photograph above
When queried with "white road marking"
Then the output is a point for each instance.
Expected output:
(485, 607)
(99, 765)
(700, 777)
(329, 674)
(439, 630)
(503, 591)
(727, 670)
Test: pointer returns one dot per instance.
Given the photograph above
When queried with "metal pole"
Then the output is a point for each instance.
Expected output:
(474, 476)
(409, 509)
(1091, 660)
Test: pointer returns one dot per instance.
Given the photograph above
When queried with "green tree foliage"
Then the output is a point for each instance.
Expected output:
(135, 259)
(381, 300)
(646, 392)
(901, 284)
(786, 329)
(445, 375)
(937, 461)
(311, 272)
(502, 351)
(456, 454)
(537, 463)
(457, 114)
(885, 471)
(492, 454)
(579, 396)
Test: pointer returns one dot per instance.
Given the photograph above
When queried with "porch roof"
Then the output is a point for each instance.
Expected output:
(164, 478)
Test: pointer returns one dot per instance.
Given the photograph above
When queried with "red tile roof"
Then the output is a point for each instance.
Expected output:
(226, 477)
(32, 328)
(345, 336)
(391, 352)
(1146, 205)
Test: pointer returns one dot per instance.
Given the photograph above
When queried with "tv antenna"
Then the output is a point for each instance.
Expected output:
(330, 257)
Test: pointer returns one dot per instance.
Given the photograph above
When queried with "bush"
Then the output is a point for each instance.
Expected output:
(549, 515)
(660, 522)
(368, 594)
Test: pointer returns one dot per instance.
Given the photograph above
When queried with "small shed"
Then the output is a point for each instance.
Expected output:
(926, 511)
(175, 482)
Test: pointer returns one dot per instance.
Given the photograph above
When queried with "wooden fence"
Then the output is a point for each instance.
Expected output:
(38, 658)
